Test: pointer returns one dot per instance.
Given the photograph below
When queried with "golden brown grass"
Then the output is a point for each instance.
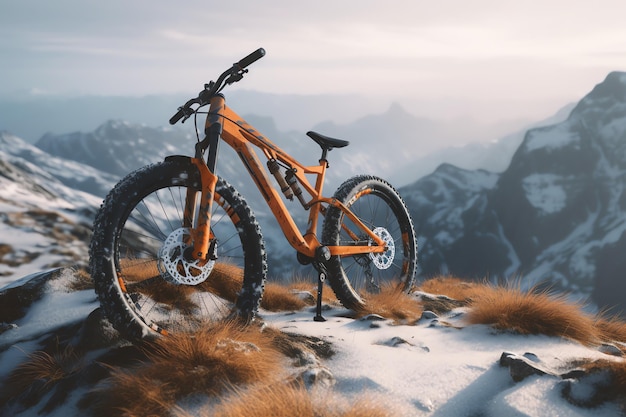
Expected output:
(533, 313)
(288, 400)
(5, 249)
(612, 329)
(137, 269)
(392, 303)
(171, 295)
(302, 284)
(225, 281)
(204, 362)
(41, 368)
(455, 288)
(277, 297)
(615, 389)
(81, 280)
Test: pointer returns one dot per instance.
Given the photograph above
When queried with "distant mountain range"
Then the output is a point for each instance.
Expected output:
(556, 216)
(545, 206)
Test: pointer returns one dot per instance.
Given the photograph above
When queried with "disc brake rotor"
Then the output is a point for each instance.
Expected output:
(384, 259)
(175, 266)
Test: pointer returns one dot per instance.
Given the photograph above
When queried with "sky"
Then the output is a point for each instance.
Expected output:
(487, 59)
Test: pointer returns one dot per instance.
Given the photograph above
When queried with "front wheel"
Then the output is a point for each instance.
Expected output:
(144, 276)
(379, 206)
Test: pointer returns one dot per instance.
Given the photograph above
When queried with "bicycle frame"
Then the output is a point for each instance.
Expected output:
(222, 123)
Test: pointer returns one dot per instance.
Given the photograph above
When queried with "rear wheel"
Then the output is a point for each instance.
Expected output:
(379, 206)
(145, 278)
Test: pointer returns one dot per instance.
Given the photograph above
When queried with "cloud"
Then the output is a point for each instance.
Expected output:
(448, 48)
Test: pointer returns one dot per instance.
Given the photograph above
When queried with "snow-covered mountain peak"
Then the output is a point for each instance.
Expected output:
(117, 147)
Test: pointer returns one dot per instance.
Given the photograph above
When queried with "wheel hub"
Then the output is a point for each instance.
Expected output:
(384, 259)
(178, 268)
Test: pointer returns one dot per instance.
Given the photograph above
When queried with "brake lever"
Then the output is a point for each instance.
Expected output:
(235, 76)
(187, 113)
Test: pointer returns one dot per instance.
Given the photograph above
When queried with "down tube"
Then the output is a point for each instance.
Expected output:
(273, 199)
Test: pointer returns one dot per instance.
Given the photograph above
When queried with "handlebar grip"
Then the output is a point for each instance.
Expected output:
(175, 118)
(254, 56)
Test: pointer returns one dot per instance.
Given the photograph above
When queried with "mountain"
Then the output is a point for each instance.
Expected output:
(117, 147)
(555, 216)
(45, 219)
(494, 155)
(71, 173)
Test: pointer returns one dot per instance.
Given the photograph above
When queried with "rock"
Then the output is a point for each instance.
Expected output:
(522, 367)
(373, 317)
(17, 297)
(610, 349)
(590, 390)
(428, 315)
(318, 376)
(7, 326)
(399, 341)
(96, 332)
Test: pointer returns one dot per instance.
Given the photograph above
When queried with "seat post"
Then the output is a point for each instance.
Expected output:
(324, 156)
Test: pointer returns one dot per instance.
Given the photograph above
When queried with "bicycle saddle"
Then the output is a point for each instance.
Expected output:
(326, 142)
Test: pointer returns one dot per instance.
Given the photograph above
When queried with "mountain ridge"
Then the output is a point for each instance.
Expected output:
(549, 217)
(553, 213)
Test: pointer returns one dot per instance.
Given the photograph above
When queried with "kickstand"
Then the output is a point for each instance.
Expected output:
(321, 277)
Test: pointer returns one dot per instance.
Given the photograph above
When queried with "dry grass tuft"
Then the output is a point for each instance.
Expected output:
(172, 295)
(225, 281)
(392, 303)
(455, 288)
(133, 394)
(302, 284)
(41, 371)
(81, 280)
(279, 400)
(277, 297)
(219, 355)
(612, 329)
(287, 400)
(617, 370)
(615, 388)
(204, 362)
(533, 313)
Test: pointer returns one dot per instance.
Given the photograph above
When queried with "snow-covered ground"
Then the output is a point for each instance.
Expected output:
(431, 369)
(438, 366)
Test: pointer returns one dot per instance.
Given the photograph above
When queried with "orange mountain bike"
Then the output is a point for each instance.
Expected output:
(168, 234)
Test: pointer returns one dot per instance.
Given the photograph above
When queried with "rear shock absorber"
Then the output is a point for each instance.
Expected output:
(290, 176)
(274, 168)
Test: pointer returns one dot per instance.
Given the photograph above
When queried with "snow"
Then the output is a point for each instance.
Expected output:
(545, 192)
(440, 371)
(551, 137)
(426, 369)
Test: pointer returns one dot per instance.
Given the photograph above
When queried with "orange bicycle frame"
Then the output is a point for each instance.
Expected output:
(243, 138)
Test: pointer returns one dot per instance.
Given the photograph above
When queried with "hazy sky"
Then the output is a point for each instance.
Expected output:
(508, 58)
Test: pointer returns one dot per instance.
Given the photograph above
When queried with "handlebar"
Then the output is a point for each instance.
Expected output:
(253, 57)
(234, 74)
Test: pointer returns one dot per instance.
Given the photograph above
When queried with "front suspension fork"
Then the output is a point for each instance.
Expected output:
(201, 235)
